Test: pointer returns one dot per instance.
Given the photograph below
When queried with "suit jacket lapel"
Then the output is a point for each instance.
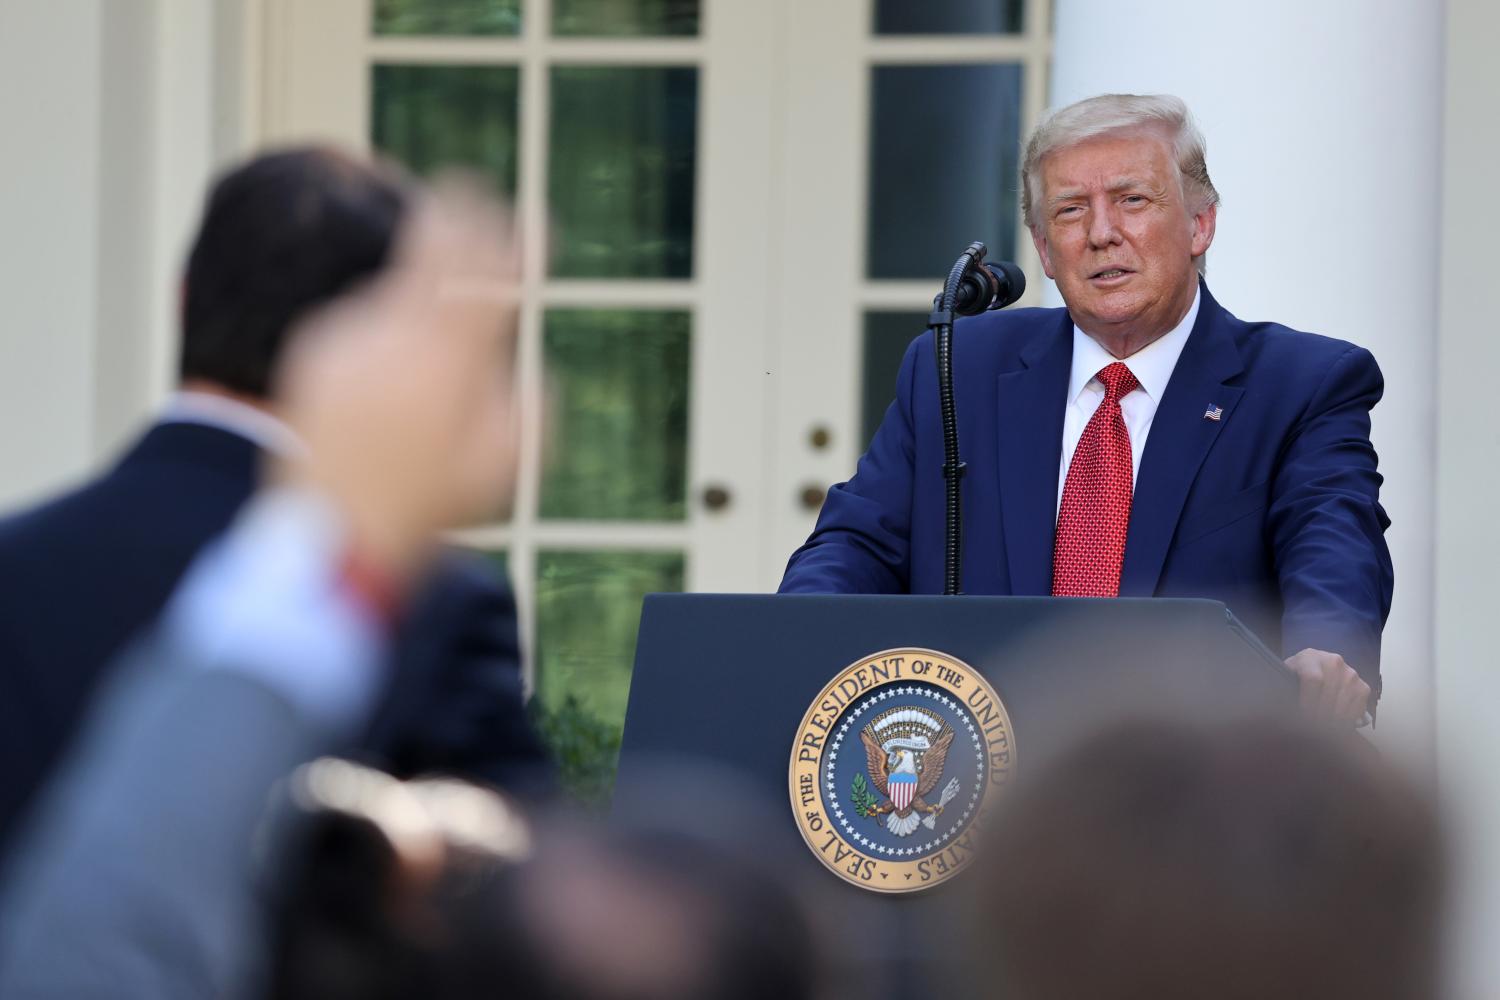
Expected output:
(1180, 438)
(1031, 405)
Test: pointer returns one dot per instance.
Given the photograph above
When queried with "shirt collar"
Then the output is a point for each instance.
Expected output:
(225, 414)
(1152, 365)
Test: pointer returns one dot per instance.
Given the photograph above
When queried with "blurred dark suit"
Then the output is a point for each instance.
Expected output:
(138, 872)
(84, 572)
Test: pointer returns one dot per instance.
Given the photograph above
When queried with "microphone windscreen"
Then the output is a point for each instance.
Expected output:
(1012, 283)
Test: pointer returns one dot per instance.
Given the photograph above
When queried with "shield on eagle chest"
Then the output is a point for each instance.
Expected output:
(903, 790)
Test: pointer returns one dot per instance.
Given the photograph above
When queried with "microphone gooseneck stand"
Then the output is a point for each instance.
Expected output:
(972, 287)
(941, 324)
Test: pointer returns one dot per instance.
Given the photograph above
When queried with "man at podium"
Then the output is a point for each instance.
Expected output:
(1143, 441)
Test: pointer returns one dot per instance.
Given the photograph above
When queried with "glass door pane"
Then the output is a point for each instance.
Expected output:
(887, 334)
(430, 117)
(622, 170)
(619, 18)
(941, 173)
(447, 17)
(588, 611)
(949, 17)
(617, 382)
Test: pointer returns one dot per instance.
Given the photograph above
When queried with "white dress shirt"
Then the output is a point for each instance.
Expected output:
(241, 419)
(265, 601)
(1152, 367)
(261, 600)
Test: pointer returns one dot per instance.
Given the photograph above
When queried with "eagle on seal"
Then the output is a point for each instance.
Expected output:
(905, 782)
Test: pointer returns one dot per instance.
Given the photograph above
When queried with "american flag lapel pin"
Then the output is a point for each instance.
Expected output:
(1214, 413)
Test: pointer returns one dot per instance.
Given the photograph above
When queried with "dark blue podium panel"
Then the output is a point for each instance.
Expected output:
(728, 677)
(722, 683)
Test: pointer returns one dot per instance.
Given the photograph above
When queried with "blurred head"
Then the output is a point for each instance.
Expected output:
(363, 903)
(441, 890)
(1122, 211)
(281, 235)
(1247, 861)
(646, 918)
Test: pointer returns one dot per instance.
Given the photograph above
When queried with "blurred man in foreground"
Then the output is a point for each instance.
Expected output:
(372, 914)
(1166, 862)
(136, 880)
(666, 917)
(281, 236)
(139, 880)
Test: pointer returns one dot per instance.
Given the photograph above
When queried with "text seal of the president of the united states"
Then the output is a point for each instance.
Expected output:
(894, 765)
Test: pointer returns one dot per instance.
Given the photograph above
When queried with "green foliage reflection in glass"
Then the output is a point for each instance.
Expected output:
(588, 610)
(585, 748)
(618, 414)
(620, 176)
(605, 18)
(447, 17)
(429, 117)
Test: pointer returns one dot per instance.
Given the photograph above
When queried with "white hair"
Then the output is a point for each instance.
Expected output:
(1108, 114)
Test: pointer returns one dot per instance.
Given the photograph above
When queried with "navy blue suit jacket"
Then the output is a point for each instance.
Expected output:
(1273, 509)
(86, 571)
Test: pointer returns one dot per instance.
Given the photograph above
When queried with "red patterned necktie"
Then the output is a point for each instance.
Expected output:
(1095, 511)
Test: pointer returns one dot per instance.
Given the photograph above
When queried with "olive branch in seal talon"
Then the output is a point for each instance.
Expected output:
(865, 803)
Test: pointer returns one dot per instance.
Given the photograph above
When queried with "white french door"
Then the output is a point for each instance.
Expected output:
(752, 204)
(901, 146)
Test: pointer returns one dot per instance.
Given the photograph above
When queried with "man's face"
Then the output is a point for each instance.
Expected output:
(1114, 233)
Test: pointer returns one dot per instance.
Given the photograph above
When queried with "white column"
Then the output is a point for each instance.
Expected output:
(111, 115)
(1468, 484)
(49, 194)
(1324, 135)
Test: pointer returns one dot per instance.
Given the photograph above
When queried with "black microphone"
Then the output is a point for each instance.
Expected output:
(993, 285)
(972, 287)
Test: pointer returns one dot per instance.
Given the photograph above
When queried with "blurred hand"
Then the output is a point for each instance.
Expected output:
(403, 390)
(1331, 689)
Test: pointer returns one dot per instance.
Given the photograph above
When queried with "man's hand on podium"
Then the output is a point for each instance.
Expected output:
(1331, 689)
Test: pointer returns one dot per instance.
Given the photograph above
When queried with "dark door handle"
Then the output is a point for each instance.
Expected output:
(716, 497)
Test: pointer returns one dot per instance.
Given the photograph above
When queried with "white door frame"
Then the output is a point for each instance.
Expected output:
(821, 292)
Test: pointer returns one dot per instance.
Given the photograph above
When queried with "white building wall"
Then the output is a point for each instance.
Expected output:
(50, 75)
(1468, 485)
(109, 118)
(1323, 126)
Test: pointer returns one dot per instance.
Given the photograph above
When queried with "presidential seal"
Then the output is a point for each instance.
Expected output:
(893, 766)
